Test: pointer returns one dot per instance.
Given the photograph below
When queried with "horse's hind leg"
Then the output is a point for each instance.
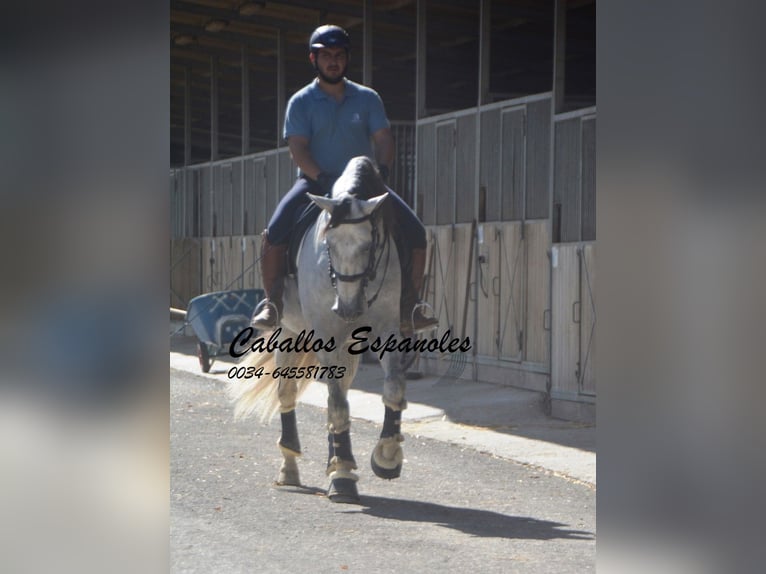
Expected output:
(387, 456)
(288, 441)
(340, 459)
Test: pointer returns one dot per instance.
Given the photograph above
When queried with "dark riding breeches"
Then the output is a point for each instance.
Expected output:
(412, 233)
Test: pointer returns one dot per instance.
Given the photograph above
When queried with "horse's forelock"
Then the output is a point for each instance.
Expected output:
(360, 179)
(340, 212)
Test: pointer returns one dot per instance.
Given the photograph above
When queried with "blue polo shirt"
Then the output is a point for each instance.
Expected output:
(337, 131)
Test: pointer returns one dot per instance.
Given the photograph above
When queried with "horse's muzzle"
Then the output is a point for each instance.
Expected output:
(349, 312)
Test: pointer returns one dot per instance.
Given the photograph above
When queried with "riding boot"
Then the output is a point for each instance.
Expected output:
(412, 319)
(273, 269)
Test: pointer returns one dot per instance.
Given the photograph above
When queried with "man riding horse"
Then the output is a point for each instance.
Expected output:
(328, 122)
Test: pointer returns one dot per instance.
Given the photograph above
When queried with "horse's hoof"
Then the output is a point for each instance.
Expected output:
(288, 473)
(288, 480)
(387, 473)
(343, 490)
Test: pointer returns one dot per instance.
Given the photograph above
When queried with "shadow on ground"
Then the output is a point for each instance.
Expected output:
(483, 523)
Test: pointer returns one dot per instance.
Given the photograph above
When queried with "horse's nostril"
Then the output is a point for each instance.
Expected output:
(346, 312)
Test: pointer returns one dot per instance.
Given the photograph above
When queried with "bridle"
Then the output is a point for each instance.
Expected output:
(373, 262)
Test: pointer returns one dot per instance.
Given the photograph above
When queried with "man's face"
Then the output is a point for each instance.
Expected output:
(331, 64)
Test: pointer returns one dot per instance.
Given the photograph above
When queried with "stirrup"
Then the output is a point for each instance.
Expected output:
(257, 311)
(433, 321)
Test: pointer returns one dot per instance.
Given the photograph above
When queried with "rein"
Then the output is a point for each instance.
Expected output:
(370, 272)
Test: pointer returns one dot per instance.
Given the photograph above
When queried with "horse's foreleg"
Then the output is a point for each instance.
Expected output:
(291, 449)
(340, 459)
(288, 441)
(387, 457)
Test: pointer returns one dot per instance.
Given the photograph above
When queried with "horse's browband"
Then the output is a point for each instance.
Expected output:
(354, 220)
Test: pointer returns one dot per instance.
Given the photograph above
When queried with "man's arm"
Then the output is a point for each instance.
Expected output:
(384, 147)
(301, 154)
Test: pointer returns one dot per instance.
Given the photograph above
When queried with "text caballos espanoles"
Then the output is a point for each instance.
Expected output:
(305, 343)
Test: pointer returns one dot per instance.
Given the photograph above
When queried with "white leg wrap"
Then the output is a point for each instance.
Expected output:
(338, 465)
(341, 473)
(388, 454)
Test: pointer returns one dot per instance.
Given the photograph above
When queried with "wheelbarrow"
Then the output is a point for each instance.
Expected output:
(217, 318)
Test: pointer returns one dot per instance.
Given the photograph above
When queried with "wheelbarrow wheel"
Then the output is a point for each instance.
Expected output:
(204, 357)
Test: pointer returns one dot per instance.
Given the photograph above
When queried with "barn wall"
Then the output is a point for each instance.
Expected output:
(529, 297)
(521, 283)
(574, 181)
(513, 163)
(504, 308)
(229, 197)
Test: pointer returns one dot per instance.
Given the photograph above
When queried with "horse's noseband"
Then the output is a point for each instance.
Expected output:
(370, 271)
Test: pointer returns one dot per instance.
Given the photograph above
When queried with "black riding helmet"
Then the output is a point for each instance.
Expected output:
(329, 36)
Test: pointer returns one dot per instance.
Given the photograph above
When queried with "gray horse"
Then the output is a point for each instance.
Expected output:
(344, 297)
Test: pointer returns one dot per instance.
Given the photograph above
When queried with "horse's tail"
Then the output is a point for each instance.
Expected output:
(259, 395)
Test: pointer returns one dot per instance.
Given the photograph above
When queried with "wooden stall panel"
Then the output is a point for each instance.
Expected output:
(444, 276)
(538, 154)
(512, 171)
(565, 329)
(428, 292)
(463, 282)
(211, 274)
(491, 152)
(249, 212)
(227, 192)
(221, 264)
(217, 200)
(510, 283)
(537, 289)
(176, 205)
(260, 214)
(194, 198)
(587, 318)
(446, 176)
(567, 196)
(402, 176)
(465, 169)
(426, 154)
(233, 278)
(205, 181)
(489, 292)
(250, 245)
(237, 198)
(588, 179)
(446, 279)
(184, 271)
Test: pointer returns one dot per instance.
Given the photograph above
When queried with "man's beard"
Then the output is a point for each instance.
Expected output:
(329, 80)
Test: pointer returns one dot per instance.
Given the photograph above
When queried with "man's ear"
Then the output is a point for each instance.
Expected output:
(312, 58)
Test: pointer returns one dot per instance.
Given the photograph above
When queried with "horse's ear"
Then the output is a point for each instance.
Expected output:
(326, 203)
(370, 205)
